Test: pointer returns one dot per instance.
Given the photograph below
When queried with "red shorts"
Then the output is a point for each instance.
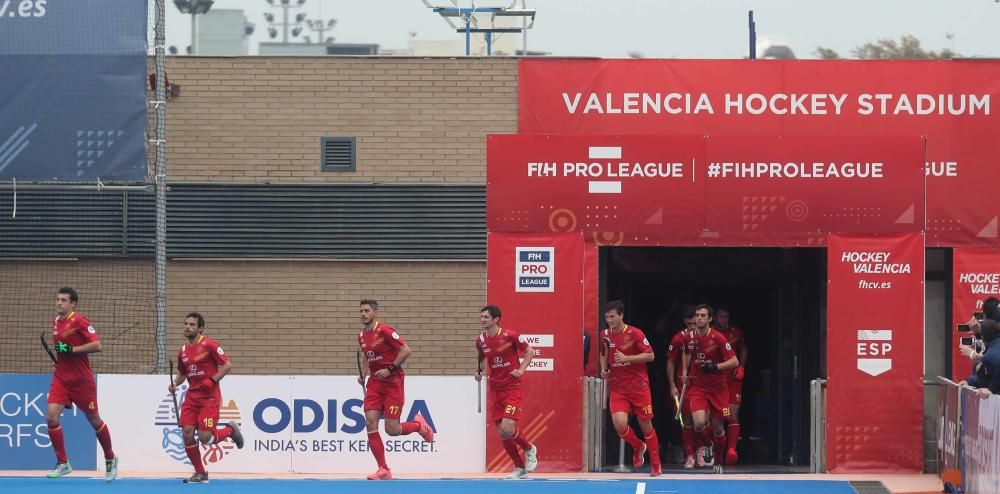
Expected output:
(201, 412)
(81, 392)
(735, 392)
(506, 404)
(386, 396)
(716, 403)
(636, 403)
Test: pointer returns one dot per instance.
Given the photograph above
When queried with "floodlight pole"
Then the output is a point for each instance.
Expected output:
(468, 33)
(753, 37)
(194, 33)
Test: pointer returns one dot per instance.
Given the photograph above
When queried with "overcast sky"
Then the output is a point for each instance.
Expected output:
(659, 28)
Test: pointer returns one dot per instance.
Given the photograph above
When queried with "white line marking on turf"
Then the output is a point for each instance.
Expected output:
(640, 488)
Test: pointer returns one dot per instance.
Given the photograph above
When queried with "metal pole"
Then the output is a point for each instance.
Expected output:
(468, 34)
(524, 31)
(284, 25)
(160, 264)
(753, 38)
(194, 33)
(489, 44)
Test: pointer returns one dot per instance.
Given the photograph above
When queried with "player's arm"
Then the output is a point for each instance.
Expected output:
(732, 363)
(223, 370)
(404, 353)
(180, 377)
(640, 358)
(529, 353)
(92, 347)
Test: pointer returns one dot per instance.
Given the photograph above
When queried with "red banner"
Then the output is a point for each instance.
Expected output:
(976, 277)
(949, 102)
(652, 190)
(875, 352)
(537, 280)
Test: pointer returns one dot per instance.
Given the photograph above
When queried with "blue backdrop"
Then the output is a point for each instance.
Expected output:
(24, 437)
(72, 90)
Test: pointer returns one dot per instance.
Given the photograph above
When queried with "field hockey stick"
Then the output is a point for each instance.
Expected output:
(45, 345)
(361, 374)
(173, 394)
(606, 350)
(687, 375)
(479, 383)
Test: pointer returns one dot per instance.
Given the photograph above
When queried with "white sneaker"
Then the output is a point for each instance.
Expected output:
(531, 459)
(60, 470)
(518, 473)
(111, 469)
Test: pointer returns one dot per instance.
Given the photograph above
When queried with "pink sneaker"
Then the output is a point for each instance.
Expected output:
(689, 463)
(425, 430)
(381, 474)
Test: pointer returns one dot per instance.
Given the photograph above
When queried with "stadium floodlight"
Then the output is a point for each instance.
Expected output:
(486, 20)
(195, 8)
(286, 24)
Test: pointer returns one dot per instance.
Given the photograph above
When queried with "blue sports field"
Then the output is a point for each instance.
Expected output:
(82, 485)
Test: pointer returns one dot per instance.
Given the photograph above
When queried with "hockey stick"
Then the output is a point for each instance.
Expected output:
(45, 345)
(173, 394)
(479, 383)
(684, 387)
(605, 344)
(361, 375)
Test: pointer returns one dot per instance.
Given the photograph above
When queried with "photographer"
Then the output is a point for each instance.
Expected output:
(975, 351)
(987, 376)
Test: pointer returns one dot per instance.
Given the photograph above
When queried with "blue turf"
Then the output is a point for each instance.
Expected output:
(81, 485)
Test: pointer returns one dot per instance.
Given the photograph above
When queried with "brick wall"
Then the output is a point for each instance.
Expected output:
(260, 119)
(257, 119)
(303, 317)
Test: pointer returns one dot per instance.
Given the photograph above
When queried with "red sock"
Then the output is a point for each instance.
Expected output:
(58, 443)
(194, 454)
(687, 438)
(630, 437)
(653, 446)
(104, 437)
(733, 434)
(705, 435)
(409, 427)
(377, 449)
(222, 434)
(513, 452)
(719, 449)
(520, 440)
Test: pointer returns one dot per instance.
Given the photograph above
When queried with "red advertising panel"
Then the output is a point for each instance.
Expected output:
(791, 184)
(651, 190)
(949, 102)
(875, 353)
(603, 186)
(537, 280)
(976, 277)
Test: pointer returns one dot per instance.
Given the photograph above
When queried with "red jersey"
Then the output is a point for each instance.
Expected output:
(503, 354)
(381, 346)
(712, 347)
(74, 330)
(199, 361)
(734, 335)
(674, 353)
(627, 376)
